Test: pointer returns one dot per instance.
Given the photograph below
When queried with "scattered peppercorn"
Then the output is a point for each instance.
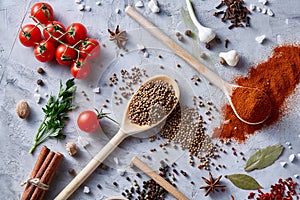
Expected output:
(115, 184)
(222, 61)
(188, 33)
(40, 82)
(72, 172)
(99, 186)
(40, 70)
(138, 175)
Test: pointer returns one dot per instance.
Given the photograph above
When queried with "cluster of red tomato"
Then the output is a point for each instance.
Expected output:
(69, 46)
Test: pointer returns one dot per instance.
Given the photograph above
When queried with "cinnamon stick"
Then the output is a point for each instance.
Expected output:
(42, 156)
(47, 176)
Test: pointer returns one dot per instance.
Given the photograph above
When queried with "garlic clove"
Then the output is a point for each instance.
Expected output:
(206, 34)
(231, 57)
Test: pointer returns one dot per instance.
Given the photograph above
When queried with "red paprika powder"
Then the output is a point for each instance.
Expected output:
(277, 77)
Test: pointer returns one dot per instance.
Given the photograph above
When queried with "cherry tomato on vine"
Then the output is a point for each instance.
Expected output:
(56, 29)
(89, 48)
(76, 32)
(29, 35)
(65, 55)
(42, 12)
(80, 69)
(88, 121)
(44, 51)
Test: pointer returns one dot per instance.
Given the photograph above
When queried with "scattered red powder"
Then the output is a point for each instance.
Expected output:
(278, 78)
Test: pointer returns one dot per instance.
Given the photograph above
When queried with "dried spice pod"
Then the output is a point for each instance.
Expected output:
(23, 109)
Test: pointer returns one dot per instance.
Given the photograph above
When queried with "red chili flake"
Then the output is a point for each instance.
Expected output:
(232, 197)
(251, 195)
(234, 153)
(283, 190)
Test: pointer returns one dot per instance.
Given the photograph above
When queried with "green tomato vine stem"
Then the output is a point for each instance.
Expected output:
(58, 39)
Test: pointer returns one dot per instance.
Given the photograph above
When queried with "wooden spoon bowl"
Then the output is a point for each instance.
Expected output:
(127, 128)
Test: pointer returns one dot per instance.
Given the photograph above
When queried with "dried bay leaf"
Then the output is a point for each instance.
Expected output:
(243, 181)
(263, 158)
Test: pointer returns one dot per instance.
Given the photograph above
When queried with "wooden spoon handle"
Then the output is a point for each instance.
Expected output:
(156, 32)
(158, 179)
(91, 166)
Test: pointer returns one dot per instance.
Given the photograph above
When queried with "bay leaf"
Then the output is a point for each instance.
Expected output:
(263, 158)
(243, 181)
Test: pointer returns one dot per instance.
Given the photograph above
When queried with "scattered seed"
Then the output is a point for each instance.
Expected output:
(188, 33)
(180, 38)
(40, 70)
(99, 186)
(72, 172)
(222, 61)
(40, 82)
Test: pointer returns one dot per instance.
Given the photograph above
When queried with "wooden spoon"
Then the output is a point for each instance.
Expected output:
(226, 87)
(127, 128)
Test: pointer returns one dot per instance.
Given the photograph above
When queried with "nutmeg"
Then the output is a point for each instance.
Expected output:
(71, 148)
(22, 109)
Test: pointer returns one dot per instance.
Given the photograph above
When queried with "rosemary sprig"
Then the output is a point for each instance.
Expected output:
(55, 114)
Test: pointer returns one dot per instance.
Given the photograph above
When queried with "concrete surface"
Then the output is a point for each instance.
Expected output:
(18, 81)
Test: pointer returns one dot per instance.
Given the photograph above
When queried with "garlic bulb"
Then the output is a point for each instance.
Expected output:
(231, 57)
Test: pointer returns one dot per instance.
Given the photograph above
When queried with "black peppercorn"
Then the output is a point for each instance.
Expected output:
(40, 82)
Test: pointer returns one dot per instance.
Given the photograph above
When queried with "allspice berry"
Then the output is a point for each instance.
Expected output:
(40, 82)
(222, 61)
(22, 109)
(40, 70)
(71, 148)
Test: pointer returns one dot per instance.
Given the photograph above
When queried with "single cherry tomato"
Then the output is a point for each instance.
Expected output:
(56, 29)
(88, 121)
(76, 32)
(80, 69)
(42, 12)
(29, 35)
(44, 51)
(89, 48)
(65, 55)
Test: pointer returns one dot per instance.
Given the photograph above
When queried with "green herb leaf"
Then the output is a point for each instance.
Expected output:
(263, 158)
(243, 181)
(55, 114)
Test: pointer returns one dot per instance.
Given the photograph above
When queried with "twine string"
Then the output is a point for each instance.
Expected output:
(36, 182)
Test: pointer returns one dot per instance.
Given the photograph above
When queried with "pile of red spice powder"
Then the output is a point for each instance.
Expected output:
(278, 78)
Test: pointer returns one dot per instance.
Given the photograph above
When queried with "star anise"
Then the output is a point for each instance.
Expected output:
(212, 184)
(119, 37)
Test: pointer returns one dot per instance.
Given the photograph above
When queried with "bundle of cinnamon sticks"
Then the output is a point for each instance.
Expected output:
(42, 174)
